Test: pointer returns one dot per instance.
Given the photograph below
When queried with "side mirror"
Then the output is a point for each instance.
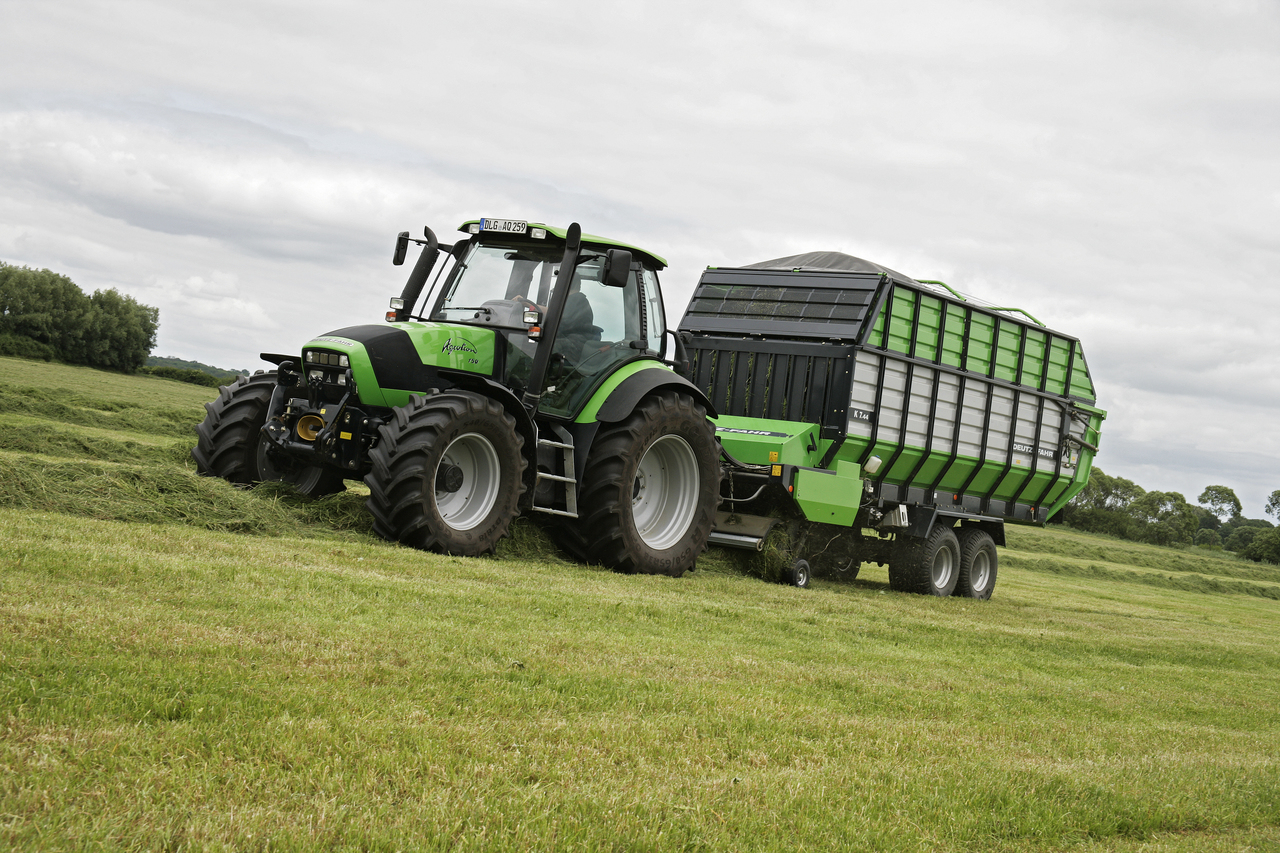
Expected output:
(402, 246)
(617, 268)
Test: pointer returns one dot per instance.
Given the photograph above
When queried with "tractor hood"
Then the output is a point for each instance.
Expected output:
(388, 361)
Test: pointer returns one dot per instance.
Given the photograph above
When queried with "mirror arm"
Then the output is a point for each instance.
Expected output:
(418, 278)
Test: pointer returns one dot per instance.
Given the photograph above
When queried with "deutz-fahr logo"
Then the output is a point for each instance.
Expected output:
(461, 345)
(1026, 448)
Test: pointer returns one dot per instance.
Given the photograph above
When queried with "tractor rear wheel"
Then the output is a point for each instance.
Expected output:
(230, 443)
(650, 489)
(929, 566)
(446, 474)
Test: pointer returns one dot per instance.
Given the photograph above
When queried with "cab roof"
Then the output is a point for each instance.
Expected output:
(561, 234)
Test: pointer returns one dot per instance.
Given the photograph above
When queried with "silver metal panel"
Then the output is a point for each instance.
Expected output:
(1011, 411)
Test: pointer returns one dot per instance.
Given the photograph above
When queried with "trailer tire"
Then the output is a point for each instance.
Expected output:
(978, 564)
(798, 574)
(230, 443)
(650, 489)
(446, 474)
(929, 565)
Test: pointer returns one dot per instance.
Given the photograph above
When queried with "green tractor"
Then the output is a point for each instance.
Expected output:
(538, 375)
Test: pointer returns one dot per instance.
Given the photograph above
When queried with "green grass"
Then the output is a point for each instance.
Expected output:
(189, 666)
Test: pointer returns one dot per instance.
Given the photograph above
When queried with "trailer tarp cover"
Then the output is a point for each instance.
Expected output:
(826, 262)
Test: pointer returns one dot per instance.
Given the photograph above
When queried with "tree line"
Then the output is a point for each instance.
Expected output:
(44, 315)
(189, 375)
(1122, 508)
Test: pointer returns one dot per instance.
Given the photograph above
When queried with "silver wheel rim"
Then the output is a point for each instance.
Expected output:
(476, 457)
(665, 492)
(980, 571)
(943, 565)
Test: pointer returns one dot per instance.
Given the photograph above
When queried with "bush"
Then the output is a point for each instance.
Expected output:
(22, 347)
(1240, 538)
(1210, 538)
(1265, 547)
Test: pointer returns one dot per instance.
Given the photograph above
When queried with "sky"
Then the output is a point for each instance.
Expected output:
(1111, 167)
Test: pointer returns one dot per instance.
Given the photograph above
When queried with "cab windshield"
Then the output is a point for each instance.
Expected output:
(491, 273)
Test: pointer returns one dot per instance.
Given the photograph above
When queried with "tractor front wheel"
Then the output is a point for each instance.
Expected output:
(650, 489)
(230, 443)
(446, 474)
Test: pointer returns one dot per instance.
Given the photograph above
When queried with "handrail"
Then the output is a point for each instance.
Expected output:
(1019, 311)
(958, 295)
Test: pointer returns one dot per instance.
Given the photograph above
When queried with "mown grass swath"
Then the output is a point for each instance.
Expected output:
(185, 665)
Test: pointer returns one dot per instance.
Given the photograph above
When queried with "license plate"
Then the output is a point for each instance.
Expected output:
(506, 226)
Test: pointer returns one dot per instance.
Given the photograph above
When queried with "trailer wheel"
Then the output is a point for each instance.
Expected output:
(978, 564)
(446, 474)
(929, 566)
(230, 443)
(798, 574)
(650, 489)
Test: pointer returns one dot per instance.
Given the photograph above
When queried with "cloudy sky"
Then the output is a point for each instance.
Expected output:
(1112, 167)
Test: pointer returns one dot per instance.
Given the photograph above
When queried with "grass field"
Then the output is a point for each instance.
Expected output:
(187, 666)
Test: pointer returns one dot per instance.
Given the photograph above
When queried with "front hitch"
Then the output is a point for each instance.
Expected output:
(315, 423)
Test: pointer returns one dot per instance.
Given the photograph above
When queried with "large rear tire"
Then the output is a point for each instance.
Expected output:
(446, 474)
(230, 443)
(978, 564)
(929, 566)
(650, 489)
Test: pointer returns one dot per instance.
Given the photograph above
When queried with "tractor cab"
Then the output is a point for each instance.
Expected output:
(505, 279)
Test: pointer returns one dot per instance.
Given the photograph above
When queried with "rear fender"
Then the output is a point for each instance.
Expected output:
(619, 403)
(624, 399)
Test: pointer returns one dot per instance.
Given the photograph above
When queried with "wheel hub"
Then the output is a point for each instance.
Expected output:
(448, 478)
(943, 566)
(467, 481)
(980, 574)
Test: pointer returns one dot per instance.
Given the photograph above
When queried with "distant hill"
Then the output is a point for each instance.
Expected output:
(183, 364)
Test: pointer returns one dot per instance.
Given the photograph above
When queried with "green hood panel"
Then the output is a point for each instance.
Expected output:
(452, 346)
(394, 360)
